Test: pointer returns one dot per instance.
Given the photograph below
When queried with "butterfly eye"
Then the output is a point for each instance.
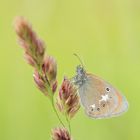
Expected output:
(107, 89)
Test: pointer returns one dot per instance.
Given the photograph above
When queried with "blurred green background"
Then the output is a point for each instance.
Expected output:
(105, 33)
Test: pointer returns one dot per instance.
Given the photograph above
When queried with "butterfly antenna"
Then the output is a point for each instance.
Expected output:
(77, 56)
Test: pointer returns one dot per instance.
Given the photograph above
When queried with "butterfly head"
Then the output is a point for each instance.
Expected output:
(80, 77)
(80, 70)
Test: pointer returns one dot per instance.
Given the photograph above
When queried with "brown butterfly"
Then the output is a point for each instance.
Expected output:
(99, 98)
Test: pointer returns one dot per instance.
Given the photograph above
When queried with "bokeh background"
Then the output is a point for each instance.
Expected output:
(105, 33)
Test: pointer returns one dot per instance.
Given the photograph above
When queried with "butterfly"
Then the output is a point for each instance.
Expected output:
(98, 97)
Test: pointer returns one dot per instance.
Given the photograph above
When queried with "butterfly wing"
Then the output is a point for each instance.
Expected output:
(121, 108)
(100, 99)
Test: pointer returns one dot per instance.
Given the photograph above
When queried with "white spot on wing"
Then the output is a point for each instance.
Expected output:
(93, 106)
(104, 98)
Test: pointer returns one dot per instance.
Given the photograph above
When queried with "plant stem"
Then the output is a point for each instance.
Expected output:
(54, 108)
(68, 121)
(51, 95)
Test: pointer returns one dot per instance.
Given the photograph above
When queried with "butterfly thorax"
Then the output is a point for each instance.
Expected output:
(80, 77)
